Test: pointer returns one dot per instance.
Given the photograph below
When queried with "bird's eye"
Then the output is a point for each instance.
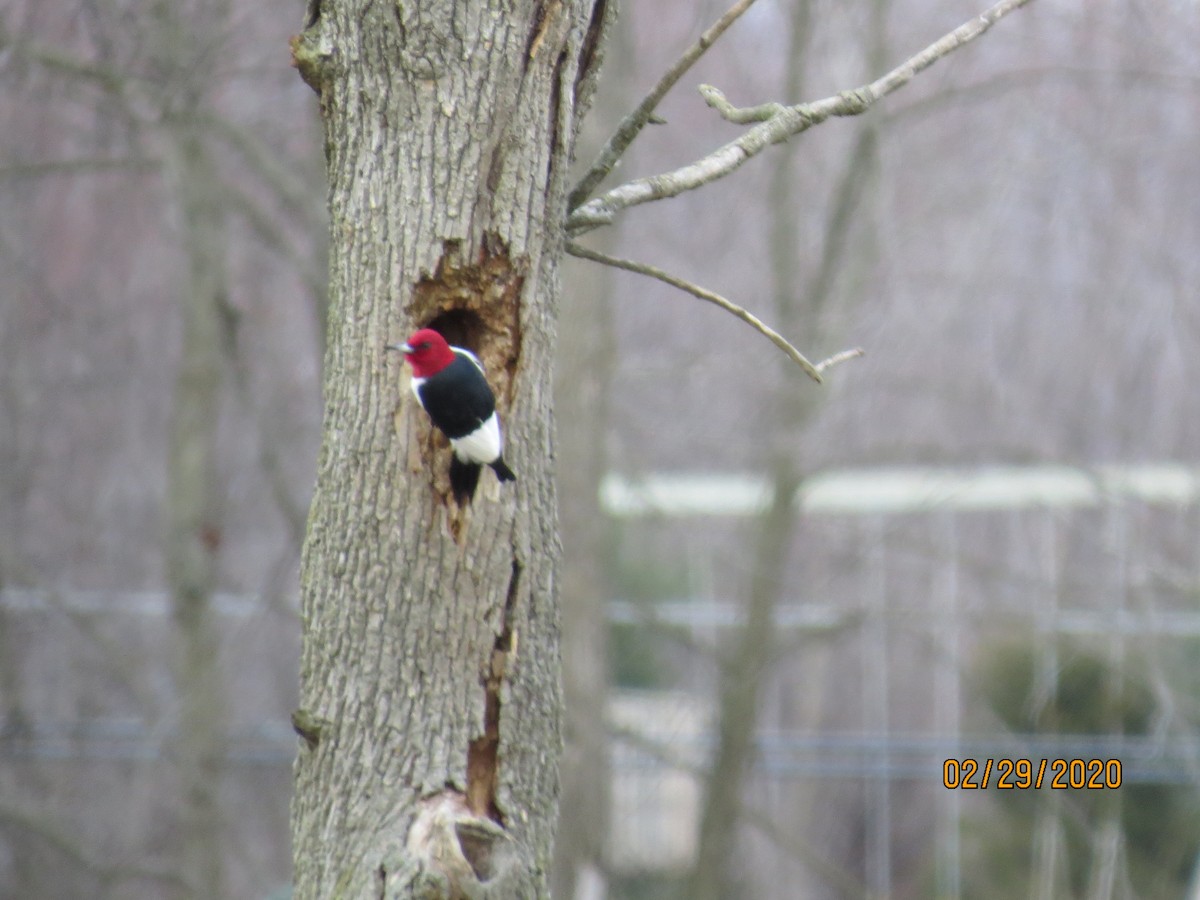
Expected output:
(424, 345)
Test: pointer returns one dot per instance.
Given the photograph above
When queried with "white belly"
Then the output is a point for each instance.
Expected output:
(482, 445)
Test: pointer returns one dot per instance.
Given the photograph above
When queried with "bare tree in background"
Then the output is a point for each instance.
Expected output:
(801, 304)
(744, 666)
(152, 112)
(194, 492)
(586, 360)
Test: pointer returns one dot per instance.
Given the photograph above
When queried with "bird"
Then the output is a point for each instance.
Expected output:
(451, 386)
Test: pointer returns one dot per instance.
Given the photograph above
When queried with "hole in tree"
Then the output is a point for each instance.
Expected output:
(478, 848)
(460, 327)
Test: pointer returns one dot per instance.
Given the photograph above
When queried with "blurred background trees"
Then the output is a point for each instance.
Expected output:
(163, 262)
(1017, 256)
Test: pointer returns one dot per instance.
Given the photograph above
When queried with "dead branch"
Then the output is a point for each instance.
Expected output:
(839, 358)
(781, 122)
(632, 125)
(695, 290)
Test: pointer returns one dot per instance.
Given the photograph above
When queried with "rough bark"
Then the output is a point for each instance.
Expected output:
(430, 672)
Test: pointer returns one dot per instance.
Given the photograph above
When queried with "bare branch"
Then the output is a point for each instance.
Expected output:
(738, 115)
(782, 124)
(108, 77)
(632, 125)
(39, 826)
(704, 294)
(293, 192)
(1038, 76)
(839, 358)
(267, 228)
(22, 169)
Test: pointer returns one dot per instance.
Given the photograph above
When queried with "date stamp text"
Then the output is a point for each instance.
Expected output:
(1012, 774)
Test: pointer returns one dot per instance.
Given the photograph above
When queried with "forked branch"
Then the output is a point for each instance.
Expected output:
(632, 125)
(776, 123)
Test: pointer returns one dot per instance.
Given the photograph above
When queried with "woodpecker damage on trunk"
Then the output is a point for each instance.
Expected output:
(475, 304)
(460, 837)
(483, 761)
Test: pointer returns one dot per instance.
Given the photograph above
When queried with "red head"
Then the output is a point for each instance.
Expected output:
(427, 352)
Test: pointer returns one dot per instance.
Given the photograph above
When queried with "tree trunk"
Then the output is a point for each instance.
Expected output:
(430, 672)
(583, 380)
(715, 873)
(193, 515)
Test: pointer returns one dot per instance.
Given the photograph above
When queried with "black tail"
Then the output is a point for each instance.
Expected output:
(464, 476)
(503, 472)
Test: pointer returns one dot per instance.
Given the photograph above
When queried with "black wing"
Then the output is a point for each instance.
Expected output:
(458, 398)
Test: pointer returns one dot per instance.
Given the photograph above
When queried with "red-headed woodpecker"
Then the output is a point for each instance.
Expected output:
(450, 385)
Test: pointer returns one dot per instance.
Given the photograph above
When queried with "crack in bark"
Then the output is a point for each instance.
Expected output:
(541, 24)
(556, 112)
(495, 168)
(589, 58)
(312, 14)
(483, 753)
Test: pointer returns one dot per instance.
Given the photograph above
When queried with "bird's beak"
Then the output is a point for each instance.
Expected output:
(402, 348)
